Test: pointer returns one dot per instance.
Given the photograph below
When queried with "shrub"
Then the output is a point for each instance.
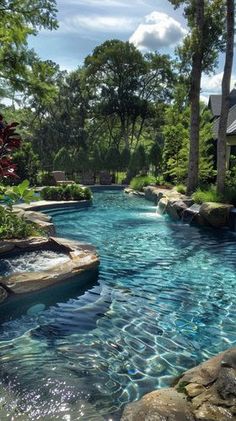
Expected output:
(210, 195)
(20, 193)
(137, 183)
(2, 190)
(27, 163)
(45, 179)
(68, 192)
(181, 189)
(12, 226)
(160, 181)
(230, 195)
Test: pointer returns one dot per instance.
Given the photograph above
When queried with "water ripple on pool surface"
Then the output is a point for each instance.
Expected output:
(165, 301)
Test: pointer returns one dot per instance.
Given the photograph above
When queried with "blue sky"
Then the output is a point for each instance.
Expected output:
(83, 24)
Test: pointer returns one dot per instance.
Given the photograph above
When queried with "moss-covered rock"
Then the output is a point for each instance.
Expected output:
(216, 214)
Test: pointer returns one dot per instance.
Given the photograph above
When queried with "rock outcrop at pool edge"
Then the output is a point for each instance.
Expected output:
(204, 393)
(216, 214)
(40, 219)
(81, 257)
(181, 207)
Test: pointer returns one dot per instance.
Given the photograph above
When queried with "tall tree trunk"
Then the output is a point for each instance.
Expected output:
(221, 144)
(196, 73)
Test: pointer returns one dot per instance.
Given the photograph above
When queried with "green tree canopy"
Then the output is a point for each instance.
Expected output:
(123, 86)
(18, 20)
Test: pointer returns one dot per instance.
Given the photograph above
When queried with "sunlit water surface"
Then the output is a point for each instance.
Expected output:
(164, 301)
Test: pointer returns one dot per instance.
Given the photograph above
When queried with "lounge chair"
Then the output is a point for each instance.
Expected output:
(60, 178)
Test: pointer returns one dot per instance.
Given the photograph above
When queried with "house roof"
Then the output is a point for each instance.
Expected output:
(231, 123)
(215, 103)
(232, 128)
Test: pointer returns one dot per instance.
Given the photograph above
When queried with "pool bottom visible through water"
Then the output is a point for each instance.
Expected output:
(164, 301)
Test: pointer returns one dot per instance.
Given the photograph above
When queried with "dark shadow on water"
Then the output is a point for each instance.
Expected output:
(216, 242)
(16, 306)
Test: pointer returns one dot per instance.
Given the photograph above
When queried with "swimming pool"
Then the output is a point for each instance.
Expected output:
(165, 300)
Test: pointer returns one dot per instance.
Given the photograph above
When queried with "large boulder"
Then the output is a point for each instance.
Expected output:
(161, 405)
(176, 208)
(153, 194)
(216, 214)
(204, 393)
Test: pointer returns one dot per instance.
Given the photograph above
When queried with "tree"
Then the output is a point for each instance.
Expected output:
(176, 145)
(63, 161)
(27, 163)
(195, 98)
(138, 161)
(221, 144)
(200, 49)
(123, 86)
(155, 156)
(63, 121)
(18, 20)
(113, 160)
(124, 159)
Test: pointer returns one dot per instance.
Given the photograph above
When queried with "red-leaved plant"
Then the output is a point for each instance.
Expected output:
(9, 141)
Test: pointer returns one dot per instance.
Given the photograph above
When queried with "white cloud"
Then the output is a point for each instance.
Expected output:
(158, 30)
(212, 84)
(204, 99)
(97, 23)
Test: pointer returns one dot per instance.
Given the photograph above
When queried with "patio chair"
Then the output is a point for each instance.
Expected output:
(60, 178)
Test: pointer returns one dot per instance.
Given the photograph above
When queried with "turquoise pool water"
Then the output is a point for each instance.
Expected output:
(165, 300)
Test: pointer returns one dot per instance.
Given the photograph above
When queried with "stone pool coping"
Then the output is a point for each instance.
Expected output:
(52, 204)
(81, 257)
(33, 212)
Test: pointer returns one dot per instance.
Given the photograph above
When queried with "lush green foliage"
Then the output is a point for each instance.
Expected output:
(137, 183)
(27, 163)
(176, 146)
(211, 195)
(63, 161)
(207, 195)
(121, 111)
(20, 193)
(138, 162)
(181, 188)
(12, 226)
(68, 192)
(20, 68)
(45, 178)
